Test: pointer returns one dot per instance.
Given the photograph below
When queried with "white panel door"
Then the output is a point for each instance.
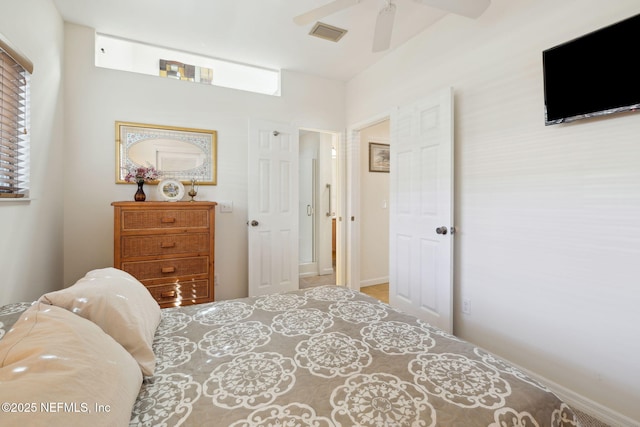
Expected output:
(421, 214)
(273, 208)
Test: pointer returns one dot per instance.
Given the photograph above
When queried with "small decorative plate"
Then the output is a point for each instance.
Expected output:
(170, 190)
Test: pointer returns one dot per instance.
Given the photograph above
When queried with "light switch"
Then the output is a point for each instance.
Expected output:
(226, 207)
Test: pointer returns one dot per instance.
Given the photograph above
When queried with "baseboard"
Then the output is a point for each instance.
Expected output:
(373, 282)
(326, 271)
(581, 403)
(589, 407)
(308, 274)
(310, 270)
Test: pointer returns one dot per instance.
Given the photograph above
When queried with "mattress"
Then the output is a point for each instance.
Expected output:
(326, 356)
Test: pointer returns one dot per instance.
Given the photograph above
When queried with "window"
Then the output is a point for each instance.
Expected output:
(128, 55)
(15, 72)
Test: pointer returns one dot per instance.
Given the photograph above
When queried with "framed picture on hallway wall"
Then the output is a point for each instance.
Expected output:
(378, 157)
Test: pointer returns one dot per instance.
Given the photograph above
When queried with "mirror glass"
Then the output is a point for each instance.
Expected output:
(178, 153)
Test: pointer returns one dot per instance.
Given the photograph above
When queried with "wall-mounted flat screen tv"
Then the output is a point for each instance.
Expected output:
(593, 75)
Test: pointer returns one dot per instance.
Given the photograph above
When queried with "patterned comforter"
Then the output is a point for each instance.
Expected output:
(329, 356)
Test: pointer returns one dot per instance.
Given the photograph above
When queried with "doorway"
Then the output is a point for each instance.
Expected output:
(318, 182)
(421, 207)
(374, 209)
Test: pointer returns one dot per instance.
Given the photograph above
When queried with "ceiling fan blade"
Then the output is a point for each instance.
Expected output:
(384, 27)
(468, 8)
(322, 11)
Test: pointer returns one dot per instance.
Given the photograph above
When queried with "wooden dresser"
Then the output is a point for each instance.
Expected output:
(169, 247)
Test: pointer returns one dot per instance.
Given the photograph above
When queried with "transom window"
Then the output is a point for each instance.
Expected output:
(127, 55)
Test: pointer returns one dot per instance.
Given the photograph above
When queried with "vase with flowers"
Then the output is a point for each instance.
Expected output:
(140, 175)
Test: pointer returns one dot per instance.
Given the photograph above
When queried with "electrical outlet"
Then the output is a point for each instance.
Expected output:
(466, 306)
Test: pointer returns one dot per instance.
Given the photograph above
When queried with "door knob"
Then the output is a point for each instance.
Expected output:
(254, 223)
(441, 230)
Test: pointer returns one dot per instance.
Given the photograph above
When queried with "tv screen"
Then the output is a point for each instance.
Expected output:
(593, 75)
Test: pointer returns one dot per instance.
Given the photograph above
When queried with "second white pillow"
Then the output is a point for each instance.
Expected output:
(118, 303)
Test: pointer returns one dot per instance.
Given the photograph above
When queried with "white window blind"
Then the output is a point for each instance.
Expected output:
(15, 72)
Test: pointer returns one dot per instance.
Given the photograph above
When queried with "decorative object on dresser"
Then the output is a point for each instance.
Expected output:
(170, 190)
(193, 192)
(169, 247)
(140, 175)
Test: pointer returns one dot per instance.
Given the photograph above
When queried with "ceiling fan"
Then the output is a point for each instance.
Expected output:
(384, 22)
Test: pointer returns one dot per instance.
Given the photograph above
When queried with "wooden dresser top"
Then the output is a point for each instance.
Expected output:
(161, 204)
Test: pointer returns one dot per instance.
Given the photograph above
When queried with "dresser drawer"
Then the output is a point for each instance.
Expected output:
(173, 267)
(164, 219)
(181, 293)
(164, 244)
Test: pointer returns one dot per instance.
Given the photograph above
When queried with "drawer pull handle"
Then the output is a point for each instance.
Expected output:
(164, 245)
(168, 269)
(168, 294)
(168, 220)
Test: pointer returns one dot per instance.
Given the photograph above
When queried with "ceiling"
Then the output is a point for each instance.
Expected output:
(256, 32)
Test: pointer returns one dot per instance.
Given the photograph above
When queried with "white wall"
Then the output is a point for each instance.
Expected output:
(97, 97)
(374, 211)
(31, 243)
(548, 217)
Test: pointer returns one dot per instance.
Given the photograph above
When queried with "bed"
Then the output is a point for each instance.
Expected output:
(325, 356)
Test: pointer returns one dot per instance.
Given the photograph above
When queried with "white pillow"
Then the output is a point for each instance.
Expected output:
(118, 303)
(57, 368)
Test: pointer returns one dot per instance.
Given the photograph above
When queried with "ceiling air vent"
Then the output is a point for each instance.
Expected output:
(327, 32)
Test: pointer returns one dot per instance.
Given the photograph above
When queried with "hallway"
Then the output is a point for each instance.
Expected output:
(380, 292)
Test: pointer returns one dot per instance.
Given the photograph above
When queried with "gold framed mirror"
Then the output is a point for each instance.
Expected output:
(177, 153)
